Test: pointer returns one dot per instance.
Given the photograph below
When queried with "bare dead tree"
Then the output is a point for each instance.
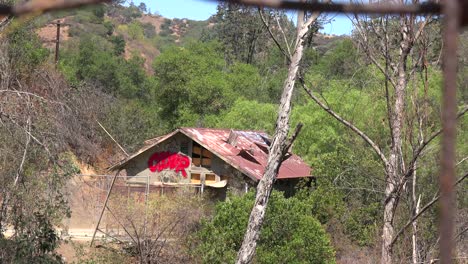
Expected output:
(279, 145)
(397, 66)
(157, 230)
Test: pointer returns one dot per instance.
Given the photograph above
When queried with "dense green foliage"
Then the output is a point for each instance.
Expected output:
(194, 82)
(290, 233)
(25, 51)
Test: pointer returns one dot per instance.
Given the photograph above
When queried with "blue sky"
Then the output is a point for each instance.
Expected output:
(201, 10)
(339, 25)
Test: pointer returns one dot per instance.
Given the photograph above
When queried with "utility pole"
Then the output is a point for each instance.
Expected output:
(57, 44)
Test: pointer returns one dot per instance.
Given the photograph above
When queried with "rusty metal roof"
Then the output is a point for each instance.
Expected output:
(247, 151)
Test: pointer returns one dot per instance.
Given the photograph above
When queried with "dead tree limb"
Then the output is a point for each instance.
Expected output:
(19, 174)
(291, 140)
(5, 22)
(348, 124)
(384, 70)
(113, 139)
(19, 93)
(284, 36)
(423, 145)
(286, 54)
(461, 161)
(26, 132)
(423, 209)
(278, 147)
(104, 206)
(461, 233)
(120, 223)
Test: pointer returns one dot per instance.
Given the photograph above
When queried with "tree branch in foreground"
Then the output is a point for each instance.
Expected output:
(38, 6)
(397, 9)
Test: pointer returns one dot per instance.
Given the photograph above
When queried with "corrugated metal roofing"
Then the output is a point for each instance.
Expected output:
(247, 152)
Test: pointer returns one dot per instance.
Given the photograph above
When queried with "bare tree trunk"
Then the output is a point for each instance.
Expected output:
(415, 200)
(414, 236)
(395, 168)
(278, 148)
(389, 212)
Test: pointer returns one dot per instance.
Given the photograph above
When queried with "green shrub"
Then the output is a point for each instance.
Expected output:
(163, 43)
(149, 30)
(131, 13)
(25, 50)
(90, 15)
(119, 44)
(290, 234)
(110, 27)
(135, 30)
(361, 224)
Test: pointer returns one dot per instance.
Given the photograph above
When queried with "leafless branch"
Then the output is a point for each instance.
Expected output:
(120, 223)
(290, 141)
(174, 225)
(27, 133)
(348, 124)
(25, 152)
(285, 39)
(5, 22)
(286, 54)
(30, 94)
(422, 25)
(384, 71)
(461, 161)
(422, 146)
(19, 173)
(427, 206)
(461, 233)
(115, 141)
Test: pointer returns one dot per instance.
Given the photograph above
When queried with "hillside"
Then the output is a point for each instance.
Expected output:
(144, 34)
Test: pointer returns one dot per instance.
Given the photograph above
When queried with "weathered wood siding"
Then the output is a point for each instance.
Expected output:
(236, 181)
